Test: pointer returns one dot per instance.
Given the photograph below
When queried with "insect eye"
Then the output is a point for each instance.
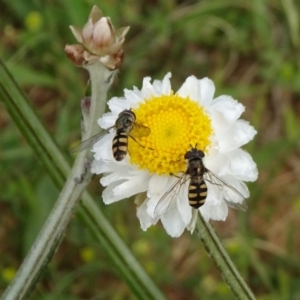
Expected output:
(133, 114)
(201, 153)
(188, 155)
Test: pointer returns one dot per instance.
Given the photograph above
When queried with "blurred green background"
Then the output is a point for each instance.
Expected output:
(250, 49)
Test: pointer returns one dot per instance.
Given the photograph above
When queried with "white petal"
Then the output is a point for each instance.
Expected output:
(217, 162)
(172, 223)
(160, 200)
(133, 97)
(148, 90)
(117, 105)
(107, 167)
(236, 136)
(103, 148)
(242, 165)
(159, 184)
(201, 91)
(145, 220)
(207, 89)
(163, 87)
(122, 185)
(111, 177)
(224, 111)
(96, 167)
(190, 88)
(108, 120)
(237, 162)
(135, 185)
(108, 194)
(215, 211)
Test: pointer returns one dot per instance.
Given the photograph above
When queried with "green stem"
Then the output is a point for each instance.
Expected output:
(223, 262)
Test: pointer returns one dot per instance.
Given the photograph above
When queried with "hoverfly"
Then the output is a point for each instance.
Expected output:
(198, 176)
(125, 126)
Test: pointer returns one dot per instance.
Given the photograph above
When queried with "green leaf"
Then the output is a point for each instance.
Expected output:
(27, 76)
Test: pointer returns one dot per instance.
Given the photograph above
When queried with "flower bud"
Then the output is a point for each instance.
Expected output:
(103, 33)
(101, 42)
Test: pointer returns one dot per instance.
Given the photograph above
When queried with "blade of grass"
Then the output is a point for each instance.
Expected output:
(58, 168)
(293, 20)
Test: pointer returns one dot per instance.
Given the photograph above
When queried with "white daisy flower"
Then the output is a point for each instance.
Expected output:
(189, 117)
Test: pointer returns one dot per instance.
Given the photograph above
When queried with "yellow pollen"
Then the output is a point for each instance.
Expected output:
(176, 123)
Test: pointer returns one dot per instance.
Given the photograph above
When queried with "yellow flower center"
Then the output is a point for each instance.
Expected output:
(176, 123)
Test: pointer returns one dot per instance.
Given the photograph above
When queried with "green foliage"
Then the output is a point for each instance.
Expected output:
(250, 49)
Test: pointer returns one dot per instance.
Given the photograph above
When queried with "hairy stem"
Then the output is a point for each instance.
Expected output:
(223, 262)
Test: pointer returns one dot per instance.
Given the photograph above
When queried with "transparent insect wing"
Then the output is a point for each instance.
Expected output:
(240, 206)
(140, 130)
(184, 208)
(223, 190)
(90, 142)
(142, 213)
(168, 201)
(234, 198)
